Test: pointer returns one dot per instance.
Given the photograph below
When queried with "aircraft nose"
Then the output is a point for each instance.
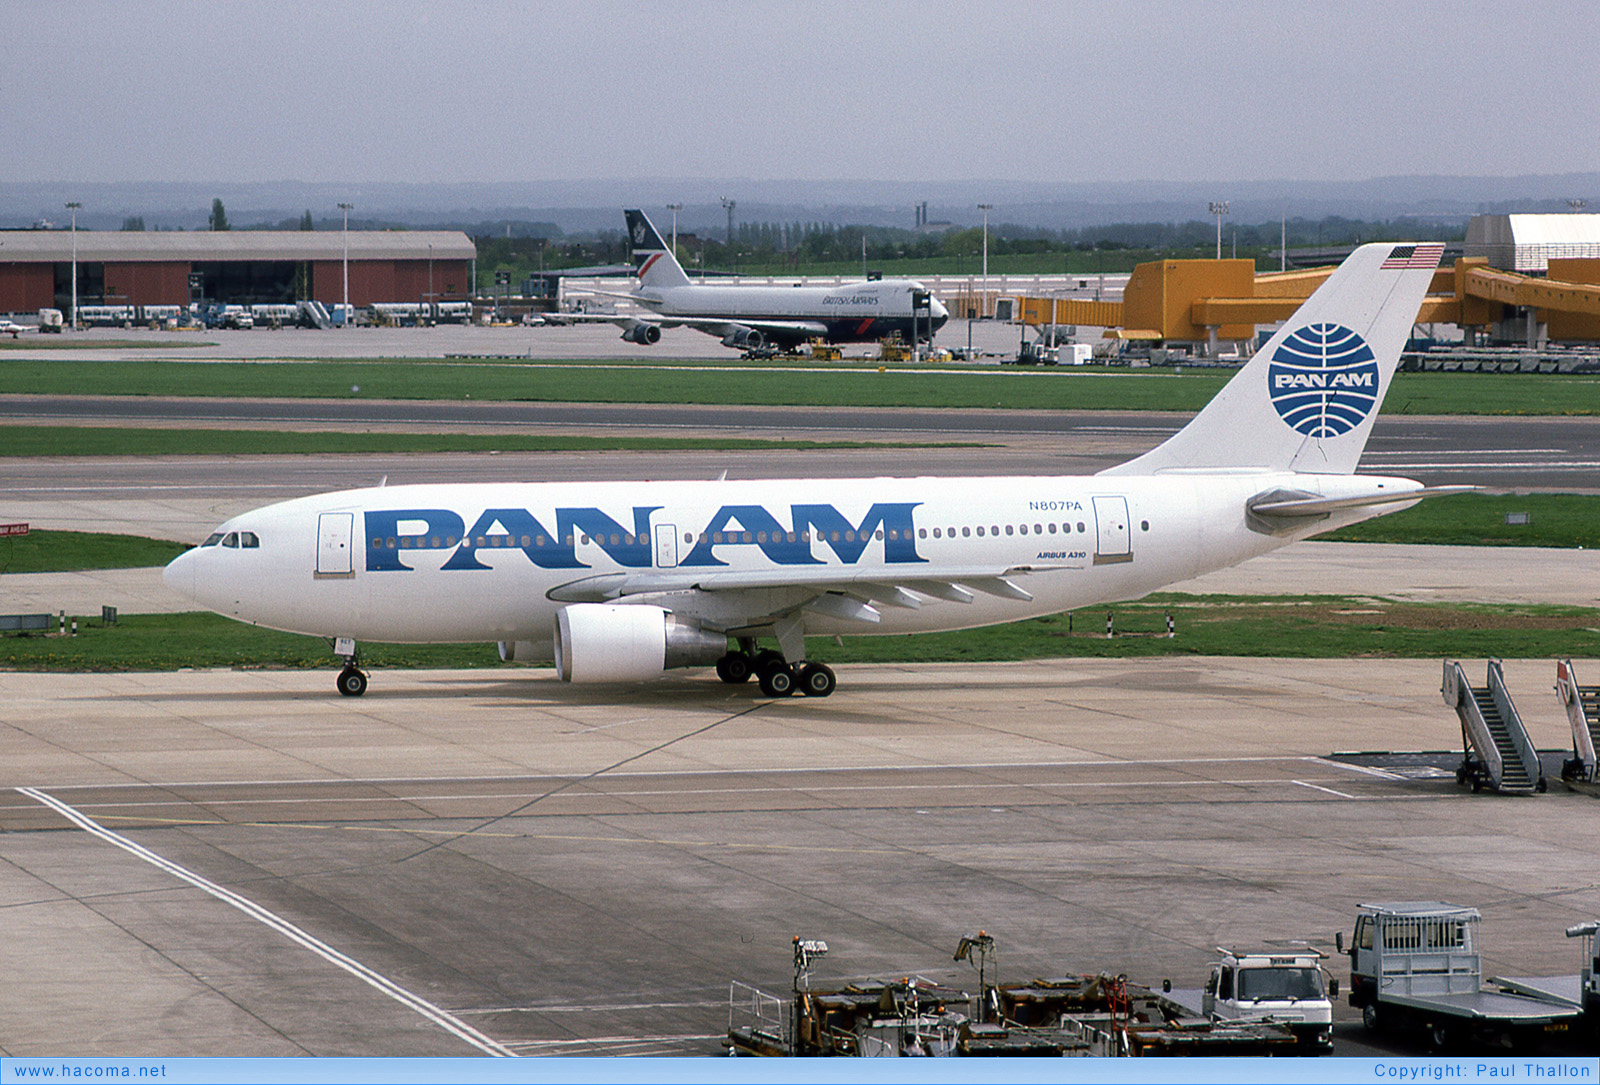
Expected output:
(179, 575)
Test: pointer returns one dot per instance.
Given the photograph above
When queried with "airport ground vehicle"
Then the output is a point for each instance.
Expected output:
(1417, 964)
(51, 320)
(1274, 986)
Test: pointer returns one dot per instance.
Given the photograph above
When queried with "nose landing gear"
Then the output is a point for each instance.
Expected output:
(352, 680)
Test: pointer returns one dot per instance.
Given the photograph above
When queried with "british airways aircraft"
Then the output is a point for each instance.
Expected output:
(621, 581)
(754, 317)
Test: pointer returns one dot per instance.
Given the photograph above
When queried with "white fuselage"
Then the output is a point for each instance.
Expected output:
(495, 562)
(859, 310)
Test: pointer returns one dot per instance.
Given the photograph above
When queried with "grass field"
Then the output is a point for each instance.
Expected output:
(835, 384)
(74, 551)
(1306, 627)
(119, 441)
(1559, 520)
(52, 342)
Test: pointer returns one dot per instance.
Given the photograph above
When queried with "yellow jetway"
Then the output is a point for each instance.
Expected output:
(1193, 300)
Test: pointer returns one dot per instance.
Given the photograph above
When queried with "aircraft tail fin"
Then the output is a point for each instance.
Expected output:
(653, 263)
(1307, 400)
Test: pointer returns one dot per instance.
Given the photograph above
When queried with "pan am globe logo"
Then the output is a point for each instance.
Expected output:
(1323, 380)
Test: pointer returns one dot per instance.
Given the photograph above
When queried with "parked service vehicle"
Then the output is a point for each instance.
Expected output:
(1417, 964)
(1276, 987)
(51, 320)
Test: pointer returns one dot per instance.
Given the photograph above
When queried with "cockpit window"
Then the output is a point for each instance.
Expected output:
(231, 539)
(248, 540)
(213, 539)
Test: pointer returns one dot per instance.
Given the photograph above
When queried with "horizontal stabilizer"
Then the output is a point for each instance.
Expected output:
(1279, 504)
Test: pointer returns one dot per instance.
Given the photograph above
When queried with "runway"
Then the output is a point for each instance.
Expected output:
(563, 872)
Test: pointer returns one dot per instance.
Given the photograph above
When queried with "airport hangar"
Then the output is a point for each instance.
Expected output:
(232, 266)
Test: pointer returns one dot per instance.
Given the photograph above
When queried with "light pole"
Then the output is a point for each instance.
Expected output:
(983, 306)
(432, 315)
(1219, 208)
(674, 208)
(346, 208)
(73, 207)
(729, 204)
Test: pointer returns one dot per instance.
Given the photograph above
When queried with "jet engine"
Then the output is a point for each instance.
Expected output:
(604, 642)
(745, 338)
(642, 333)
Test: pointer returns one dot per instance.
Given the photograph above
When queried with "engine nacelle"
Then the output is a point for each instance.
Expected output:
(644, 334)
(745, 338)
(604, 642)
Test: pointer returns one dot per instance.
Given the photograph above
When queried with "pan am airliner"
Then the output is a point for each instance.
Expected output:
(756, 317)
(621, 581)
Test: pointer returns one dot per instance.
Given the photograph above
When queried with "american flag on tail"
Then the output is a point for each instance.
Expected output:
(1412, 256)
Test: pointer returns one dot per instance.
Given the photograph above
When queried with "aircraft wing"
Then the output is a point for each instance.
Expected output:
(778, 330)
(731, 599)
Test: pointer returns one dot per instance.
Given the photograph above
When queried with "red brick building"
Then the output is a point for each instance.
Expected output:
(232, 266)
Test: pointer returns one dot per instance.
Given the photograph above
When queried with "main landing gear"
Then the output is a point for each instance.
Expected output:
(775, 675)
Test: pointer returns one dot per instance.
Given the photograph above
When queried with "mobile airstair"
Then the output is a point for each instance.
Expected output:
(1582, 771)
(316, 313)
(1498, 752)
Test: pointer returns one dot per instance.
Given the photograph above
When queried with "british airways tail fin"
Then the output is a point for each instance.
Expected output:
(653, 262)
(1307, 400)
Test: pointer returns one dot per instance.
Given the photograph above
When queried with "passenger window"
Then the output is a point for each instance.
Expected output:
(878, 534)
(1023, 529)
(1009, 529)
(1052, 529)
(1037, 530)
(980, 532)
(231, 539)
(966, 532)
(1363, 938)
(1081, 528)
(1225, 988)
(936, 533)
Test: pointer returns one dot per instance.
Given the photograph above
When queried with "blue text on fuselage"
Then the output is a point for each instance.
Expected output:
(392, 532)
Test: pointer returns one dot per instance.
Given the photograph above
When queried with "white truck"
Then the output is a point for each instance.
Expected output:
(1417, 964)
(1281, 986)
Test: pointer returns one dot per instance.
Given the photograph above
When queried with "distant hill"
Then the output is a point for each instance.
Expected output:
(586, 207)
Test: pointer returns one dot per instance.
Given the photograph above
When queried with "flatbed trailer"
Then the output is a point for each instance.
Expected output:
(1417, 964)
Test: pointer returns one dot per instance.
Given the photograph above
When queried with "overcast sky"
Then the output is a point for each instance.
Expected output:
(1110, 90)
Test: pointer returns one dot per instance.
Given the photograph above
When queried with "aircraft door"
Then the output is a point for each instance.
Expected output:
(1114, 542)
(666, 546)
(335, 552)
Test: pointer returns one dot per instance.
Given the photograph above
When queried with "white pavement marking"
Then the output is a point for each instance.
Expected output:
(1319, 787)
(443, 1018)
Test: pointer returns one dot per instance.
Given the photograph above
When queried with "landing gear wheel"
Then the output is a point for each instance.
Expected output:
(1371, 1020)
(776, 681)
(765, 659)
(352, 682)
(817, 680)
(735, 668)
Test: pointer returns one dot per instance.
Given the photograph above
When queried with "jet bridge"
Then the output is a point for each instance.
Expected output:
(1583, 712)
(1498, 751)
